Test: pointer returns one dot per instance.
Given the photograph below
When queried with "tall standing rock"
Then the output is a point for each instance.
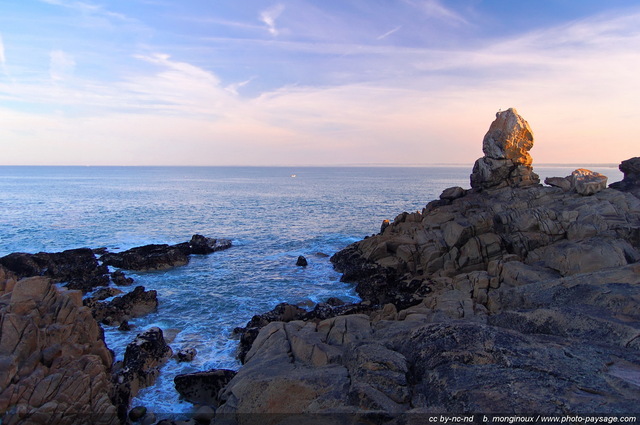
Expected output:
(506, 160)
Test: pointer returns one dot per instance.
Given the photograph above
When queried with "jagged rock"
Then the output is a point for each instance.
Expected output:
(140, 367)
(119, 278)
(105, 292)
(203, 387)
(136, 303)
(301, 261)
(484, 302)
(54, 365)
(631, 181)
(202, 245)
(506, 160)
(587, 182)
(78, 267)
(285, 312)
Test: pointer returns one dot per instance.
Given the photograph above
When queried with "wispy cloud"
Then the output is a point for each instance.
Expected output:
(388, 33)
(269, 16)
(233, 88)
(61, 65)
(435, 9)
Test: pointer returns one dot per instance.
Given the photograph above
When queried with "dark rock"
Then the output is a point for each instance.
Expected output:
(186, 354)
(119, 278)
(140, 367)
(124, 326)
(203, 387)
(149, 257)
(302, 262)
(334, 302)
(137, 413)
(202, 245)
(136, 303)
(78, 267)
(452, 193)
(631, 180)
(104, 293)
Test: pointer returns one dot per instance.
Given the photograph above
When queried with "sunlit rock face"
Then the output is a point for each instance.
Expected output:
(506, 160)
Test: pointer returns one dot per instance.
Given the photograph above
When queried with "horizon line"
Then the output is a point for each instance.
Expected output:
(372, 164)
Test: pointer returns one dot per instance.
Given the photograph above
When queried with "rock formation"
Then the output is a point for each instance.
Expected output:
(140, 367)
(163, 256)
(78, 267)
(506, 160)
(54, 365)
(136, 303)
(509, 297)
(631, 181)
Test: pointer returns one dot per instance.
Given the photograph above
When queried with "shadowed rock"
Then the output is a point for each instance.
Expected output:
(78, 267)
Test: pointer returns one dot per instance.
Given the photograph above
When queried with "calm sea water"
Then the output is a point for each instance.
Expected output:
(272, 214)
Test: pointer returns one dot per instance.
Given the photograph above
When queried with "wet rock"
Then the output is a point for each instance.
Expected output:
(186, 354)
(140, 367)
(203, 387)
(118, 277)
(78, 267)
(104, 293)
(149, 257)
(301, 261)
(136, 303)
(202, 245)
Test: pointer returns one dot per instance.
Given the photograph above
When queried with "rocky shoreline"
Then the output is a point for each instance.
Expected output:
(54, 365)
(508, 297)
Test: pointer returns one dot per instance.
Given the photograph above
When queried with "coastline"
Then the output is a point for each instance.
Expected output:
(500, 269)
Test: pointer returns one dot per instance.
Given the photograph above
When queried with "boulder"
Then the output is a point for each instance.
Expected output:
(186, 354)
(203, 387)
(587, 182)
(506, 160)
(301, 261)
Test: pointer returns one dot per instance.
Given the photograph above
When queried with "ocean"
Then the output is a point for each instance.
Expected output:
(272, 215)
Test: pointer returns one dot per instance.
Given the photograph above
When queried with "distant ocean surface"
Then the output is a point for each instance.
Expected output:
(272, 215)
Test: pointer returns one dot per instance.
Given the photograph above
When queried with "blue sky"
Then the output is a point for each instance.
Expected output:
(325, 82)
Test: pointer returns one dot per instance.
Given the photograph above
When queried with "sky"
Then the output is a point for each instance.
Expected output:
(314, 82)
